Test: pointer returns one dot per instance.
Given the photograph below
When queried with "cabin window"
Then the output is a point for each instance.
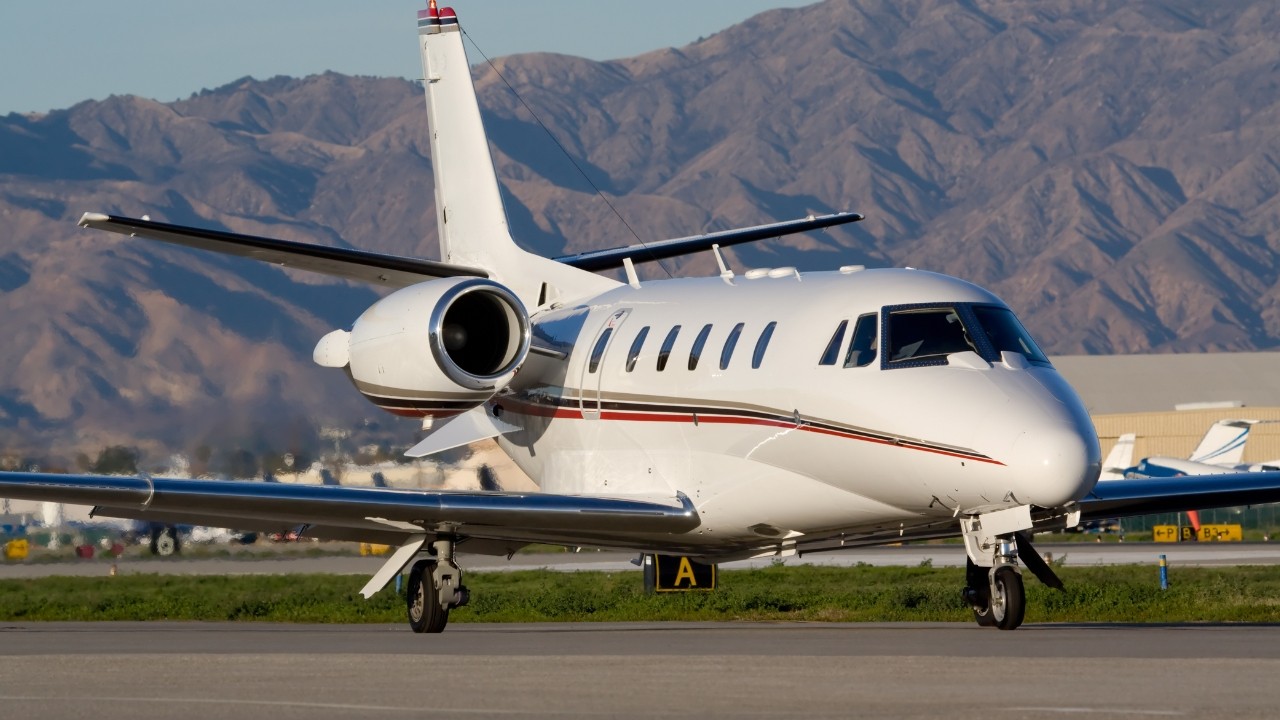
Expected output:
(1006, 333)
(729, 344)
(667, 344)
(698, 343)
(636, 345)
(762, 345)
(925, 336)
(597, 352)
(833, 347)
(862, 350)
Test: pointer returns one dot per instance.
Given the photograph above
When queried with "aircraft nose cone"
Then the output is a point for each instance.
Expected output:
(1056, 464)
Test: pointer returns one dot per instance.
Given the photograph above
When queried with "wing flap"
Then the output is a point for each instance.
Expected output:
(494, 515)
(375, 268)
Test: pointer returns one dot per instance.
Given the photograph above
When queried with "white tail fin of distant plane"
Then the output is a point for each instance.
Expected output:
(1119, 459)
(469, 211)
(1224, 443)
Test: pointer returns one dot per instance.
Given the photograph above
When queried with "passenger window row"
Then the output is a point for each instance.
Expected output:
(695, 352)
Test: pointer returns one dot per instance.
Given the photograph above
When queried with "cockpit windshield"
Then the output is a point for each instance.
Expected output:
(918, 335)
(1006, 333)
(924, 333)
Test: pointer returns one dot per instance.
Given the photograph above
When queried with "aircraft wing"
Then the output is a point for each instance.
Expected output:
(366, 514)
(1126, 498)
(1109, 499)
(387, 270)
(612, 258)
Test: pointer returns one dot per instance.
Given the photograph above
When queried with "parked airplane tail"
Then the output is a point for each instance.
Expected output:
(1224, 443)
(1119, 459)
(470, 215)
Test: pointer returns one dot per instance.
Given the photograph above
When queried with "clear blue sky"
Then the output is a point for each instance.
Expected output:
(56, 53)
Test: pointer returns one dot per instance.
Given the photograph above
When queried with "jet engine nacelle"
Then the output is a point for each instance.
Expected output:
(434, 349)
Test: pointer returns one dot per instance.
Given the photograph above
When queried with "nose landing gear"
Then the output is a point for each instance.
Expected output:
(993, 580)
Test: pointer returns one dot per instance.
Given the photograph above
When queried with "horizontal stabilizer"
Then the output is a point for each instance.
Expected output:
(387, 270)
(612, 258)
(471, 426)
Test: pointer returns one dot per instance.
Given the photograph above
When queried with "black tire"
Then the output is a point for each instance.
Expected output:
(423, 600)
(164, 542)
(984, 616)
(1010, 608)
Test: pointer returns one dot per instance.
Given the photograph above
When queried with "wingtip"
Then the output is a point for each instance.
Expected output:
(92, 217)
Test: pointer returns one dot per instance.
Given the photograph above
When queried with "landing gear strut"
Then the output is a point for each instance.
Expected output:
(993, 580)
(435, 588)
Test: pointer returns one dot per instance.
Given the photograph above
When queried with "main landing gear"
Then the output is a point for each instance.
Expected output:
(435, 588)
(993, 580)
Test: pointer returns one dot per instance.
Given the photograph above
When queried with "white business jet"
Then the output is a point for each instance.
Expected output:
(1221, 452)
(771, 413)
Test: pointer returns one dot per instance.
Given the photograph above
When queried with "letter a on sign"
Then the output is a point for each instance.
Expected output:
(680, 574)
(685, 573)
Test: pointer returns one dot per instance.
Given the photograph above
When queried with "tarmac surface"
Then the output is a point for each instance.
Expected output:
(114, 671)
(1071, 554)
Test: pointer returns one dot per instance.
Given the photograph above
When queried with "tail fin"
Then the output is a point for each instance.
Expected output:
(469, 212)
(1224, 443)
(1119, 459)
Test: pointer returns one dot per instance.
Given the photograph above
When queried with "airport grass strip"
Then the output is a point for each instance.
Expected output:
(854, 594)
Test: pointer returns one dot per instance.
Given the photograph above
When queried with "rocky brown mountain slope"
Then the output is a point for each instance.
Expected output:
(1110, 168)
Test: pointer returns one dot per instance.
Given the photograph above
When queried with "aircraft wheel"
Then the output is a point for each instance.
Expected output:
(164, 541)
(1008, 599)
(984, 616)
(425, 613)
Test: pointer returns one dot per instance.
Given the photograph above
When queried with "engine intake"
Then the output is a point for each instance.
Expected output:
(479, 333)
(438, 348)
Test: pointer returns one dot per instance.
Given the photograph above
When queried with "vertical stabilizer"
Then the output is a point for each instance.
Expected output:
(469, 211)
(1224, 443)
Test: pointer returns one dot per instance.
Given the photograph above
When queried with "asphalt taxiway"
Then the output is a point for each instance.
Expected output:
(110, 671)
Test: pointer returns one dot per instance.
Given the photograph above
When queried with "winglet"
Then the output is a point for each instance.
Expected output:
(87, 219)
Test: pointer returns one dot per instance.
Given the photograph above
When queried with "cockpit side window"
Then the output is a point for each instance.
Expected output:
(1007, 334)
(833, 346)
(862, 350)
(925, 336)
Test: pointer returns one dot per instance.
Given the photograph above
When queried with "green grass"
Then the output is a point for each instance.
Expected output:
(804, 593)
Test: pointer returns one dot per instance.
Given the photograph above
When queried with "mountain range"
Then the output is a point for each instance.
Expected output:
(1109, 168)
